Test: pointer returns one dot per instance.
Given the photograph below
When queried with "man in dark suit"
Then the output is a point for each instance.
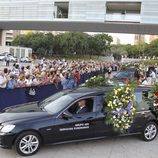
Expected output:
(82, 108)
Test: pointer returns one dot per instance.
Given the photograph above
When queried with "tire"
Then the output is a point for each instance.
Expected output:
(27, 143)
(150, 131)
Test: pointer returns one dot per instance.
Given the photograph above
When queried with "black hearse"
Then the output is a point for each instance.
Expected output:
(55, 120)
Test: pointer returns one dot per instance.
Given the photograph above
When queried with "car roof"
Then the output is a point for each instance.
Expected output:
(85, 91)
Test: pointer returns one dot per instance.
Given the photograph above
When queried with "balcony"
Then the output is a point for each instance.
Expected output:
(117, 17)
(123, 11)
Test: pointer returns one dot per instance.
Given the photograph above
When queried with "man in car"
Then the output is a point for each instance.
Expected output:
(82, 108)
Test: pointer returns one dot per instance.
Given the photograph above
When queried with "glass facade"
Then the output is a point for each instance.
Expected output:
(143, 11)
(26, 10)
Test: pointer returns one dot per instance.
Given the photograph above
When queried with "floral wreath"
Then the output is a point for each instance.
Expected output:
(153, 100)
(120, 108)
(96, 82)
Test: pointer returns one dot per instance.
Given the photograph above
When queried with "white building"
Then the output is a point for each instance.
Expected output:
(83, 10)
(121, 16)
(16, 51)
(139, 39)
(6, 37)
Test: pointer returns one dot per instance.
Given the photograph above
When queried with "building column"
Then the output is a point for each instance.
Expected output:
(1, 37)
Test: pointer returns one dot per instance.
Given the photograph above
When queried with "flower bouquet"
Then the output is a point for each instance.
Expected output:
(153, 100)
(120, 108)
(96, 82)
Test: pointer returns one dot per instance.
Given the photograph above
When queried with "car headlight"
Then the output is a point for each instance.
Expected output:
(6, 128)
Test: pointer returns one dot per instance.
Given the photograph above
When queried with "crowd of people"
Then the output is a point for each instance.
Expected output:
(147, 75)
(66, 73)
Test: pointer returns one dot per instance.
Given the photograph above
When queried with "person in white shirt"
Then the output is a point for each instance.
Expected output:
(3, 80)
(153, 76)
(36, 80)
(28, 81)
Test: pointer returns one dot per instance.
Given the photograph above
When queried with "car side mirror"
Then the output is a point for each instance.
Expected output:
(66, 115)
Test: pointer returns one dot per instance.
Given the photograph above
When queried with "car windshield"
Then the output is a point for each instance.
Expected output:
(122, 75)
(58, 104)
(51, 98)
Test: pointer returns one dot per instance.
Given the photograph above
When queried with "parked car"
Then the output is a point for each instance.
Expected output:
(55, 120)
(12, 58)
(122, 76)
(25, 60)
(2, 57)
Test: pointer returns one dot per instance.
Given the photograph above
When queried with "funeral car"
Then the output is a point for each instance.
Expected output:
(57, 119)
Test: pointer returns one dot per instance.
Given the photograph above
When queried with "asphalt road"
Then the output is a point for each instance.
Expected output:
(116, 147)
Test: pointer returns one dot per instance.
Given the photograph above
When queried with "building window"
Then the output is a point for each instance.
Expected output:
(123, 7)
(17, 53)
(61, 10)
(8, 43)
(22, 52)
(29, 52)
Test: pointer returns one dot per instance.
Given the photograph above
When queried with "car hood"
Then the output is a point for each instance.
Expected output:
(10, 117)
(27, 107)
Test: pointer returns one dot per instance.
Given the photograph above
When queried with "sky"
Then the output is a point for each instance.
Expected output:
(124, 38)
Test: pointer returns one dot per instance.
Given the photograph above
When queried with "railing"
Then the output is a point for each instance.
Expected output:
(23, 95)
(123, 17)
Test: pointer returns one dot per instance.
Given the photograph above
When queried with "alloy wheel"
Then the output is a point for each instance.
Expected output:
(150, 132)
(28, 144)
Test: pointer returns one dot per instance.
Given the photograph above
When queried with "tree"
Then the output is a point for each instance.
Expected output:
(135, 50)
(37, 41)
(152, 49)
(119, 49)
(102, 43)
(65, 43)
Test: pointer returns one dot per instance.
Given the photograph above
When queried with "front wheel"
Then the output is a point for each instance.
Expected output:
(27, 143)
(150, 131)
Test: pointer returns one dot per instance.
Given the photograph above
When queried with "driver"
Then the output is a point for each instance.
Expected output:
(82, 108)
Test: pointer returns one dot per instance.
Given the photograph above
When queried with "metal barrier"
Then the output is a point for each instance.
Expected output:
(10, 97)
